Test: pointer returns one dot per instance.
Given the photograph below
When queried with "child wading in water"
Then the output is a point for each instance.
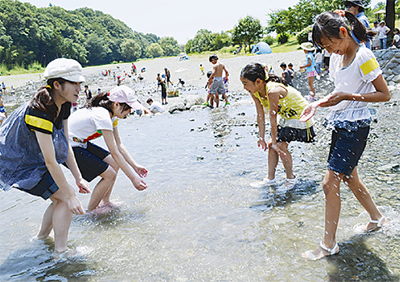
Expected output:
(101, 119)
(33, 144)
(274, 94)
(308, 48)
(358, 80)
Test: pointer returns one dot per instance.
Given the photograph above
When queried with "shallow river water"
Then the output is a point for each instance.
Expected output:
(200, 220)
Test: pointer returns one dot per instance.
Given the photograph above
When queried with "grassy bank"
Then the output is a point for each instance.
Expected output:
(34, 68)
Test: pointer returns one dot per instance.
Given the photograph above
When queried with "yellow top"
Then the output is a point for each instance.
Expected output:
(289, 107)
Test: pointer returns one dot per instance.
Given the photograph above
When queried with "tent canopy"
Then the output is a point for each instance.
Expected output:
(261, 48)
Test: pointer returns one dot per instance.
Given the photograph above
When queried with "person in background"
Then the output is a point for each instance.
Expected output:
(155, 107)
(327, 57)
(382, 35)
(308, 48)
(202, 69)
(375, 41)
(88, 93)
(396, 38)
(319, 61)
(356, 7)
(3, 111)
(286, 74)
(181, 82)
(290, 68)
(33, 144)
(215, 81)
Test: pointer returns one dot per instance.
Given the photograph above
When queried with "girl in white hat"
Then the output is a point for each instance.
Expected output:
(308, 48)
(33, 144)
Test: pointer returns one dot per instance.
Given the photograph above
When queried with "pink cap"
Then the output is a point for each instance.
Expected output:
(122, 94)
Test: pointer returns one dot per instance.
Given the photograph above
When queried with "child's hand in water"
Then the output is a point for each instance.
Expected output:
(261, 143)
(139, 184)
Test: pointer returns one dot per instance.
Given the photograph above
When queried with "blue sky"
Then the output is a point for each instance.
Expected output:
(178, 18)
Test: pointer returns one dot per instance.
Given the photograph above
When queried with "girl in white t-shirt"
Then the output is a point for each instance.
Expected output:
(101, 119)
(358, 80)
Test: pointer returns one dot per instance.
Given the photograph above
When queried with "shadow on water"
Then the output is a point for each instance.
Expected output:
(39, 264)
(356, 262)
(273, 197)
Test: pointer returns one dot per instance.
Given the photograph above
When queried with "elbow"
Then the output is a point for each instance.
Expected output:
(387, 97)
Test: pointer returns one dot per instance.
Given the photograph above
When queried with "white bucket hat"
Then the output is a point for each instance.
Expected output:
(67, 69)
(123, 94)
(307, 46)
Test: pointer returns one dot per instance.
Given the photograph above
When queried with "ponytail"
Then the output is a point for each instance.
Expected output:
(43, 98)
(101, 100)
(255, 70)
(328, 24)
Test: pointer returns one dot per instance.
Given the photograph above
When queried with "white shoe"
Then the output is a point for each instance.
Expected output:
(288, 185)
(265, 182)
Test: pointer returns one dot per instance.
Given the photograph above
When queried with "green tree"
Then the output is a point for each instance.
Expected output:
(201, 42)
(247, 32)
(130, 50)
(154, 50)
(169, 46)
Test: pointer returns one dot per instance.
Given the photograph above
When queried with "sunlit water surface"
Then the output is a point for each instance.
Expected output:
(200, 220)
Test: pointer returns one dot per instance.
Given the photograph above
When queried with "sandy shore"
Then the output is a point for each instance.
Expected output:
(188, 71)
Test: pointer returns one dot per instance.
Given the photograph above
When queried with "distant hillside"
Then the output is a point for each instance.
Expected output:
(29, 34)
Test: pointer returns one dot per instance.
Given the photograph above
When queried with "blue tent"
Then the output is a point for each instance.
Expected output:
(261, 48)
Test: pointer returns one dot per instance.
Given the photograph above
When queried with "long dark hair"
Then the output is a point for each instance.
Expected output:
(102, 100)
(253, 71)
(328, 24)
(43, 98)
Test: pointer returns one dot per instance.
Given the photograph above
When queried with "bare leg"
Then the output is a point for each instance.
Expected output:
(47, 222)
(57, 217)
(102, 188)
(331, 186)
(216, 99)
(109, 159)
(311, 84)
(287, 160)
(362, 194)
(273, 159)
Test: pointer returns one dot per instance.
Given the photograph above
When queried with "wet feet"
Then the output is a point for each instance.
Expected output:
(321, 252)
(264, 183)
(375, 225)
(101, 210)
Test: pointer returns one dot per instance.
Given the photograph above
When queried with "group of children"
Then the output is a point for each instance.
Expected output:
(217, 84)
(37, 138)
(358, 80)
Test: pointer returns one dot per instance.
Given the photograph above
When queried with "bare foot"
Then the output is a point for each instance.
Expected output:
(320, 252)
(375, 225)
(101, 210)
(114, 204)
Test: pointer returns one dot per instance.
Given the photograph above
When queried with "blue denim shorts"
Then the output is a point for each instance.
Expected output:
(45, 188)
(90, 160)
(346, 149)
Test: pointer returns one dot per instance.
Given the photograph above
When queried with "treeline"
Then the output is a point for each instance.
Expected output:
(29, 34)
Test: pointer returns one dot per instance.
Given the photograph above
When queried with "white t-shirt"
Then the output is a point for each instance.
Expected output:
(355, 78)
(376, 29)
(396, 38)
(156, 108)
(326, 53)
(319, 58)
(382, 32)
(86, 124)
